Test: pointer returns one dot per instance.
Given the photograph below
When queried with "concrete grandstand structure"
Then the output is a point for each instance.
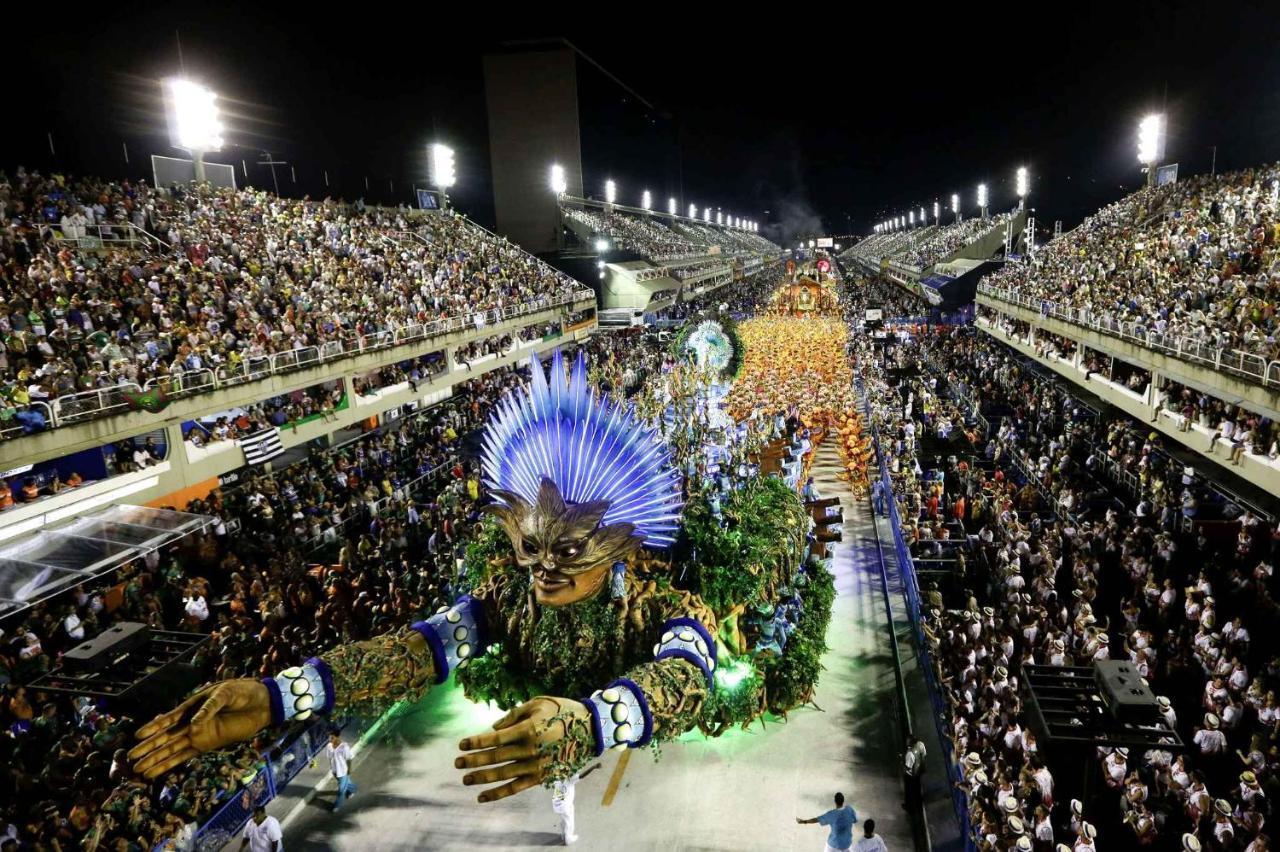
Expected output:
(645, 261)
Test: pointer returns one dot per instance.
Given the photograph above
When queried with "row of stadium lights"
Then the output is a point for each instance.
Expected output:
(196, 124)
(560, 186)
(1151, 142)
(910, 221)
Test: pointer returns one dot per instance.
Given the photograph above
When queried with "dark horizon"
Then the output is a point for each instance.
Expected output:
(828, 128)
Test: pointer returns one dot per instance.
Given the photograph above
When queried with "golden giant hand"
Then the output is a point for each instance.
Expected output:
(541, 737)
(225, 713)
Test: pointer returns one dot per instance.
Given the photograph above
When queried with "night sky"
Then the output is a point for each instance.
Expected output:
(828, 122)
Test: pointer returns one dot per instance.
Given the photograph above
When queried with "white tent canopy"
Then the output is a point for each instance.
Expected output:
(37, 566)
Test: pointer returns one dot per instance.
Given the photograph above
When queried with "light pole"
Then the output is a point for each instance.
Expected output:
(955, 205)
(1024, 186)
(442, 172)
(195, 122)
(982, 199)
(1151, 139)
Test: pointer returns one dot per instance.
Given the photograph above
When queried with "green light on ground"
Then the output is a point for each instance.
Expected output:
(733, 673)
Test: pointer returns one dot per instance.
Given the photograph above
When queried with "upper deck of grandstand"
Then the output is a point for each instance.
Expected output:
(108, 287)
(657, 237)
(921, 248)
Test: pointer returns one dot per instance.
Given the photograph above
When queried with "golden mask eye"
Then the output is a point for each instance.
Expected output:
(568, 551)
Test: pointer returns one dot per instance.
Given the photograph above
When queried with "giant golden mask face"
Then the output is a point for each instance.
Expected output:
(563, 546)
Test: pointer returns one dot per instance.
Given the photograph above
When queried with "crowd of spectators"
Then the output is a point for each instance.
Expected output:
(939, 243)
(660, 238)
(1194, 259)
(230, 276)
(923, 246)
(1054, 569)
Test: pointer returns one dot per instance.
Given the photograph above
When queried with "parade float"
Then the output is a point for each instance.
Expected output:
(618, 598)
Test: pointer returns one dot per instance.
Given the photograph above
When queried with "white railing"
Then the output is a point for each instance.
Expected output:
(1234, 361)
(88, 405)
(117, 235)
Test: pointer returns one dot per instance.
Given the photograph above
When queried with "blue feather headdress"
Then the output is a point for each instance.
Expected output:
(592, 449)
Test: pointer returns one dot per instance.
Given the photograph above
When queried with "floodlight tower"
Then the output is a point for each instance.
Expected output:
(610, 192)
(441, 172)
(559, 182)
(955, 205)
(1024, 186)
(1151, 138)
(937, 214)
(693, 211)
(195, 122)
(646, 200)
(671, 206)
(982, 199)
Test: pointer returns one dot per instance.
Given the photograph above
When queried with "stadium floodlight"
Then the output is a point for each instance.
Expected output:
(937, 212)
(955, 204)
(693, 211)
(1024, 184)
(442, 173)
(1151, 131)
(646, 200)
(559, 183)
(610, 191)
(911, 217)
(602, 245)
(922, 216)
(671, 206)
(195, 122)
(719, 218)
(706, 215)
(982, 196)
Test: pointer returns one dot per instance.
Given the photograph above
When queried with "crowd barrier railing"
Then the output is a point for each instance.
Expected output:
(222, 826)
(911, 589)
(79, 407)
(1248, 365)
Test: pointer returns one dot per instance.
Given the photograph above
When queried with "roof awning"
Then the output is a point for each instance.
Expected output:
(57, 557)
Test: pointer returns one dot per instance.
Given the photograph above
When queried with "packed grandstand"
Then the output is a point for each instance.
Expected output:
(1074, 477)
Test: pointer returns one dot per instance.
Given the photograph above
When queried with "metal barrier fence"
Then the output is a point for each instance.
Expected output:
(88, 405)
(1247, 365)
(911, 588)
(222, 826)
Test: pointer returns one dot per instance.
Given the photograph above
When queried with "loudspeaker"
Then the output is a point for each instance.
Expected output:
(109, 645)
(1123, 693)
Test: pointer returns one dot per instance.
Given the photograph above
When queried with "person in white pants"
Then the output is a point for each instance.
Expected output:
(562, 803)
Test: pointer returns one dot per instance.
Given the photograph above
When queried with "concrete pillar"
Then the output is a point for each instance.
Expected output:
(450, 358)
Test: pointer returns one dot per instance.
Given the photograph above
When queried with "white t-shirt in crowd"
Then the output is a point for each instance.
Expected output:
(197, 608)
(264, 837)
(874, 843)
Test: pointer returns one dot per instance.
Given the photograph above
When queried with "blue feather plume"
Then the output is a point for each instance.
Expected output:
(592, 449)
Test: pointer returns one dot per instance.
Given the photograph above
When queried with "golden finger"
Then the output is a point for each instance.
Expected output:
(172, 761)
(161, 754)
(524, 782)
(497, 738)
(505, 772)
(166, 720)
(519, 751)
(161, 739)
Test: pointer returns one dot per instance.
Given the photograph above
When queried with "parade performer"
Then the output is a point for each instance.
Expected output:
(624, 656)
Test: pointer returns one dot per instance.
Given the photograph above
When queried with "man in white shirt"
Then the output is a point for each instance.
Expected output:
(262, 833)
(196, 608)
(870, 841)
(339, 754)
